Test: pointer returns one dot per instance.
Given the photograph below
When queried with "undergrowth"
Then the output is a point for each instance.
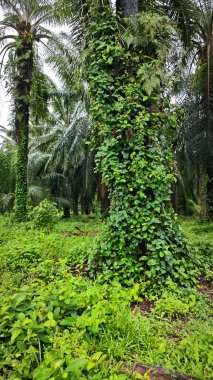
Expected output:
(56, 323)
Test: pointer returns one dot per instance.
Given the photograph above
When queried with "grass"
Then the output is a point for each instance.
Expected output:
(84, 223)
(196, 231)
(57, 324)
(200, 236)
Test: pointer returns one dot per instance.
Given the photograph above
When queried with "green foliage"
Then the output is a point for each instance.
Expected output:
(22, 28)
(194, 143)
(21, 176)
(57, 324)
(129, 114)
(49, 328)
(200, 235)
(7, 172)
(194, 347)
(59, 156)
(176, 302)
(31, 255)
(204, 261)
(45, 215)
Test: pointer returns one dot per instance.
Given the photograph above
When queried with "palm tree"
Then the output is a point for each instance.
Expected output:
(22, 31)
(63, 158)
(196, 17)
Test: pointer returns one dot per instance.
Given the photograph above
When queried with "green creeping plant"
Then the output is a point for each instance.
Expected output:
(130, 114)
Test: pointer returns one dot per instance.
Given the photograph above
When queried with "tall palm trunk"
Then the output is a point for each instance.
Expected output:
(75, 204)
(209, 190)
(202, 180)
(23, 85)
(66, 212)
(210, 196)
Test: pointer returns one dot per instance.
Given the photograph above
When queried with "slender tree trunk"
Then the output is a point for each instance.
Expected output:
(209, 182)
(75, 204)
(67, 196)
(23, 85)
(66, 212)
(202, 191)
(82, 205)
(209, 190)
(86, 207)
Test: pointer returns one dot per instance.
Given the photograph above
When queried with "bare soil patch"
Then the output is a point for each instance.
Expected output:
(144, 307)
(79, 232)
(206, 288)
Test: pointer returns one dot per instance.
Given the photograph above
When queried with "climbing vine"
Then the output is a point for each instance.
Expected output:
(143, 240)
(22, 84)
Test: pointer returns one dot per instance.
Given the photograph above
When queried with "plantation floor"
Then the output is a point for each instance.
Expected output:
(56, 323)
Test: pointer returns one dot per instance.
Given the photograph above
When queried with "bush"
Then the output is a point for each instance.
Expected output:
(45, 215)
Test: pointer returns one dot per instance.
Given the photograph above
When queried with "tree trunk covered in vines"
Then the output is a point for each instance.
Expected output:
(22, 89)
(175, 197)
(142, 239)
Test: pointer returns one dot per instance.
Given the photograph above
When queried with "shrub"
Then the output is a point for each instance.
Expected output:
(45, 215)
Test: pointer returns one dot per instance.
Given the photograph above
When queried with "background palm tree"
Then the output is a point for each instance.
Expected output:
(60, 156)
(22, 30)
(7, 174)
(196, 134)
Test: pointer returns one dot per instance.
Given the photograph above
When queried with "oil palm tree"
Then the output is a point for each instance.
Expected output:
(22, 31)
(70, 153)
(196, 17)
(60, 150)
